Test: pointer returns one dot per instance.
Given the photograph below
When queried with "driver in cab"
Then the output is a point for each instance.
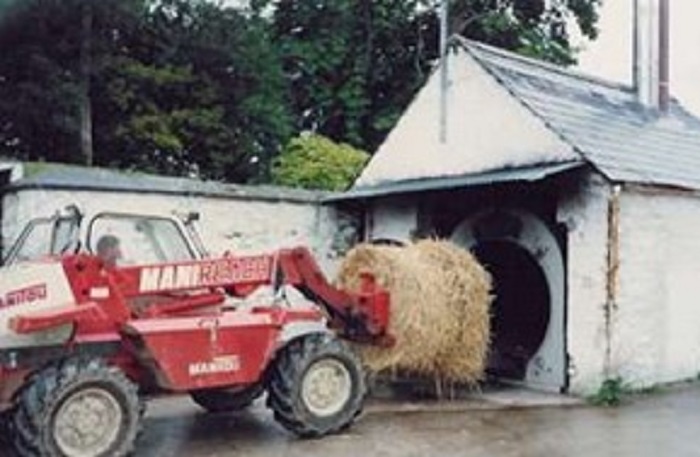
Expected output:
(109, 250)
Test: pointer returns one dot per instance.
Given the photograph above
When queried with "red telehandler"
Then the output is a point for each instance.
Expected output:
(83, 343)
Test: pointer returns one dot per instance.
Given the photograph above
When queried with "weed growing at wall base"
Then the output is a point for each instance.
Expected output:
(611, 392)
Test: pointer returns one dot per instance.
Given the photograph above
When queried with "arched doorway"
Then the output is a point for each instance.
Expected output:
(517, 329)
(527, 266)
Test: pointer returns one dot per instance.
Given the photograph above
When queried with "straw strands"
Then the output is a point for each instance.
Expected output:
(440, 298)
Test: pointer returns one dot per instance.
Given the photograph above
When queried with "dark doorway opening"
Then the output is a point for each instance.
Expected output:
(521, 309)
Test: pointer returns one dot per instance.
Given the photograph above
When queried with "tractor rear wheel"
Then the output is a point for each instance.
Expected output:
(317, 386)
(77, 408)
(226, 400)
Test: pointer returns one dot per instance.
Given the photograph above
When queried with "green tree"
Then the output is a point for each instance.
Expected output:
(183, 87)
(314, 162)
(232, 115)
(42, 72)
(537, 28)
(190, 87)
(353, 67)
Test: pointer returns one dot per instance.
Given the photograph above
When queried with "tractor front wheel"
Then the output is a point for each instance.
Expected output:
(77, 408)
(317, 386)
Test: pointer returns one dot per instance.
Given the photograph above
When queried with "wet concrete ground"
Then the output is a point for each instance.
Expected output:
(660, 424)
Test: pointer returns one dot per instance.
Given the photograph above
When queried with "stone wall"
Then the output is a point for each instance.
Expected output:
(227, 224)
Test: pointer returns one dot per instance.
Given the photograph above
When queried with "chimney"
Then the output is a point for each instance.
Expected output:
(651, 53)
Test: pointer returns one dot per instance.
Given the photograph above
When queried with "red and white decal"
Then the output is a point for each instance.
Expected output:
(205, 274)
(33, 287)
(28, 294)
(222, 364)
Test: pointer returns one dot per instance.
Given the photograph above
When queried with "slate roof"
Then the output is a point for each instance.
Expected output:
(69, 177)
(602, 121)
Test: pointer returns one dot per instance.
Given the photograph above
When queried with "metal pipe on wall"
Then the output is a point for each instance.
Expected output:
(444, 14)
(651, 53)
(664, 55)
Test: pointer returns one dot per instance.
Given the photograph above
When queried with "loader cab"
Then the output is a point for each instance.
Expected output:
(143, 239)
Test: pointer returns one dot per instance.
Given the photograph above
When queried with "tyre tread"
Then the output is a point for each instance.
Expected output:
(287, 373)
(43, 391)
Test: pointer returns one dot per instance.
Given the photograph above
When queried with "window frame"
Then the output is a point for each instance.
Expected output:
(133, 216)
(54, 222)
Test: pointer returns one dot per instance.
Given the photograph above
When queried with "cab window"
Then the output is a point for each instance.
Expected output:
(142, 240)
(45, 237)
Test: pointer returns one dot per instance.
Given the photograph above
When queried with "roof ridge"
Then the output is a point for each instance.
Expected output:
(470, 45)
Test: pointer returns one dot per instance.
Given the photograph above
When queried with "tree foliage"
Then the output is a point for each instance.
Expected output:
(181, 87)
(192, 87)
(314, 162)
(354, 66)
(538, 28)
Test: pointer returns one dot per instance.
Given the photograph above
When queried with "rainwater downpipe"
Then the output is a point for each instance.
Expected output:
(613, 274)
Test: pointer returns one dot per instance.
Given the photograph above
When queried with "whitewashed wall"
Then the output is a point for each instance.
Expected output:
(238, 225)
(657, 326)
(585, 214)
(653, 333)
(483, 118)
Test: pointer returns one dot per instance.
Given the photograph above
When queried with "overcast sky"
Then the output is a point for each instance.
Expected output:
(611, 55)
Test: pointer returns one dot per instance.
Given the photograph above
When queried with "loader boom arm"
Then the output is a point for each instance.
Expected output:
(361, 316)
(181, 287)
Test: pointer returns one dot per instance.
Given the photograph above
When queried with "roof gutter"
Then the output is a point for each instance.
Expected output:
(532, 173)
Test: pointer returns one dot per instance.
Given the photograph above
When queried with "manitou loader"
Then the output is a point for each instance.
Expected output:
(85, 341)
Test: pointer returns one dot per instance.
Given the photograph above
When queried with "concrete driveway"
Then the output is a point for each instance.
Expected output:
(660, 424)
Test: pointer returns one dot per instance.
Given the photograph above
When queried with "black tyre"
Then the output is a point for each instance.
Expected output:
(77, 408)
(225, 400)
(5, 429)
(316, 386)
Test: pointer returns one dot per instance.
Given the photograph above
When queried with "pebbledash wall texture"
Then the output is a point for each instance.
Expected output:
(632, 285)
(658, 293)
(588, 335)
(244, 219)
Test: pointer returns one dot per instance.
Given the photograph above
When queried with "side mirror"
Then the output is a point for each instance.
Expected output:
(192, 216)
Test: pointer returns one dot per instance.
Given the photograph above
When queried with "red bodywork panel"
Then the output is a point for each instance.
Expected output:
(174, 289)
(200, 352)
(169, 320)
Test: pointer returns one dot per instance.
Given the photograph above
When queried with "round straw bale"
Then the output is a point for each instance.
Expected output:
(440, 298)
